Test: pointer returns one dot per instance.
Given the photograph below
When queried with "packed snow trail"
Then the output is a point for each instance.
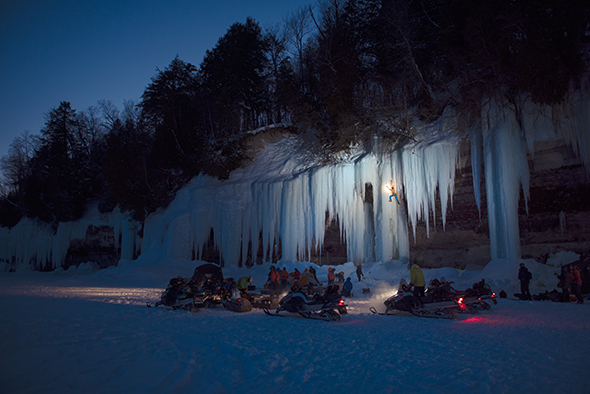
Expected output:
(55, 339)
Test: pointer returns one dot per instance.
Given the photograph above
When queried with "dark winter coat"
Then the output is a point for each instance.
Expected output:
(524, 275)
(347, 286)
(359, 271)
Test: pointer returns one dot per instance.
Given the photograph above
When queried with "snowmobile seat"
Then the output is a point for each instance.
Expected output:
(332, 293)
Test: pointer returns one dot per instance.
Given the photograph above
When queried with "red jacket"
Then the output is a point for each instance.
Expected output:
(331, 275)
(284, 274)
(275, 276)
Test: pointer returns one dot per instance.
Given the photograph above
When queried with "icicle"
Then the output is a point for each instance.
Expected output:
(476, 145)
(562, 222)
(506, 169)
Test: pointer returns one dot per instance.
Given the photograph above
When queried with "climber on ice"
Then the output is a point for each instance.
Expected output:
(393, 193)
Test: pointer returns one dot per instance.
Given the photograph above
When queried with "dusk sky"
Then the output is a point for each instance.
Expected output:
(84, 51)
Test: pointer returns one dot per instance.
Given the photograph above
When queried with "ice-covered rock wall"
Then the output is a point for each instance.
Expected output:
(506, 134)
(284, 200)
(32, 244)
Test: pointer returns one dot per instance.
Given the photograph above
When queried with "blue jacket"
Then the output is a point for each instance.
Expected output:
(347, 286)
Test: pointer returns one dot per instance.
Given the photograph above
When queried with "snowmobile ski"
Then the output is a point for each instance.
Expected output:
(440, 313)
(325, 315)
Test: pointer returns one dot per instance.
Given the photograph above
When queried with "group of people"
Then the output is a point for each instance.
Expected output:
(570, 279)
(280, 279)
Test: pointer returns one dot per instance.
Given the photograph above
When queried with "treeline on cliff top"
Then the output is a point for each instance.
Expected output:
(342, 72)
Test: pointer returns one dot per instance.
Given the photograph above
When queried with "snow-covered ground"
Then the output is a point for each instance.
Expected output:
(90, 332)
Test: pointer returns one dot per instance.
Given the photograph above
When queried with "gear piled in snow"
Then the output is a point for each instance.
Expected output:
(328, 306)
(204, 289)
(440, 300)
(237, 305)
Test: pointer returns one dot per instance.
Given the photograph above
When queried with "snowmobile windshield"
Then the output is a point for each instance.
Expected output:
(208, 272)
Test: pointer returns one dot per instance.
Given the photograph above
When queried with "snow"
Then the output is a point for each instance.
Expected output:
(80, 331)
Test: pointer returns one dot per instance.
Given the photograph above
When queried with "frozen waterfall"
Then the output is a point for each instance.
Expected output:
(285, 200)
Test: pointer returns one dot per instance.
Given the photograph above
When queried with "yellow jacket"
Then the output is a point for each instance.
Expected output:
(417, 276)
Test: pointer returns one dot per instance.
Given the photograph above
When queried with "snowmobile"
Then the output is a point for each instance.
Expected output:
(177, 296)
(207, 286)
(204, 289)
(328, 307)
(440, 300)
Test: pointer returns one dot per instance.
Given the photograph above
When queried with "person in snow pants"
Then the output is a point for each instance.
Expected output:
(359, 271)
(524, 276)
(347, 287)
(418, 282)
(393, 194)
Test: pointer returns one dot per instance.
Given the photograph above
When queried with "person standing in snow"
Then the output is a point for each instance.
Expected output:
(576, 281)
(284, 278)
(347, 287)
(296, 274)
(274, 277)
(331, 276)
(313, 272)
(359, 271)
(564, 283)
(418, 282)
(524, 276)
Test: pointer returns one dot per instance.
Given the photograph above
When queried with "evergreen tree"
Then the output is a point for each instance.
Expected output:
(234, 82)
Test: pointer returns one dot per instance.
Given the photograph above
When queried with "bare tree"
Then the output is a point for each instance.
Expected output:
(15, 165)
(131, 112)
(297, 28)
(110, 113)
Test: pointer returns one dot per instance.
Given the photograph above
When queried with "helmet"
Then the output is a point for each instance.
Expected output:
(410, 265)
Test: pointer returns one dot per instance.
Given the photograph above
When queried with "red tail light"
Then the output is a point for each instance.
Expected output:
(461, 304)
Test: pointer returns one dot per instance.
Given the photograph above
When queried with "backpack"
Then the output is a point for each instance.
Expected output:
(529, 276)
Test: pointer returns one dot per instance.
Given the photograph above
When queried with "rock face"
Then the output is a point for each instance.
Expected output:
(98, 246)
(558, 217)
